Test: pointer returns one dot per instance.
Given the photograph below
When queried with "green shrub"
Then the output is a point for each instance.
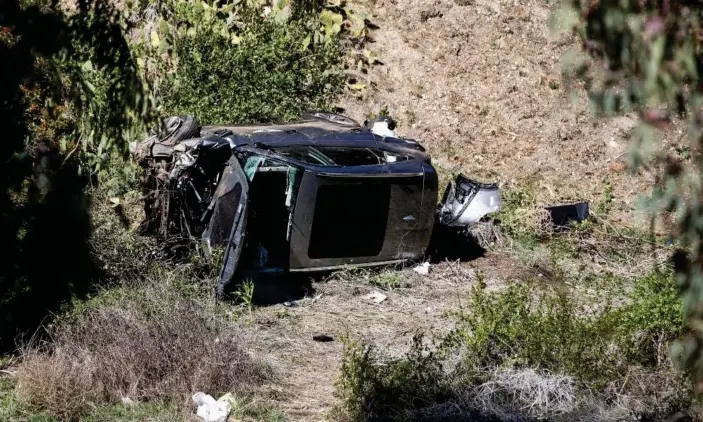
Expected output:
(524, 326)
(270, 75)
(530, 338)
(372, 389)
(226, 63)
(548, 328)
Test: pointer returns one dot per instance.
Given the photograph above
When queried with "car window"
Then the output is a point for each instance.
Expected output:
(340, 156)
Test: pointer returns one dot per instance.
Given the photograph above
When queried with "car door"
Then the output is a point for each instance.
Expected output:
(227, 224)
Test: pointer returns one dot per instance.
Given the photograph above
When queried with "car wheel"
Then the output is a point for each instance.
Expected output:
(179, 128)
(337, 119)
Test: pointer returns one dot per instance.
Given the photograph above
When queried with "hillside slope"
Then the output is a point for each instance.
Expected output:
(479, 83)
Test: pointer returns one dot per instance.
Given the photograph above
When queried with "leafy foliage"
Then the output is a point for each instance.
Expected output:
(387, 391)
(548, 329)
(525, 327)
(235, 62)
(269, 75)
(653, 63)
(50, 102)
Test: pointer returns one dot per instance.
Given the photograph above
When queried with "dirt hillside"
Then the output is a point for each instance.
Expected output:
(479, 83)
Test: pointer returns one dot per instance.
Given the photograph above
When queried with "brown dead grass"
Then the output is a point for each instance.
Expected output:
(146, 343)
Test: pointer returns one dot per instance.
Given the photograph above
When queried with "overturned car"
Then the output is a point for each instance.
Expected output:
(317, 194)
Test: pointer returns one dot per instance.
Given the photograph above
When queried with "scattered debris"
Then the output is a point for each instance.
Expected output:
(211, 410)
(563, 215)
(422, 269)
(382, 126)
(322, 338)
(377, 297)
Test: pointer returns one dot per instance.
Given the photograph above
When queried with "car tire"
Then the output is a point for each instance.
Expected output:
(334, 118)
(179, 128)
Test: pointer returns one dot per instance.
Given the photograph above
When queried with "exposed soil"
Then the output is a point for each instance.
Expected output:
(479, 84)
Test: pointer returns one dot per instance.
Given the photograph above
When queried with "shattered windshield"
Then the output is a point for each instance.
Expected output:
(339, 156)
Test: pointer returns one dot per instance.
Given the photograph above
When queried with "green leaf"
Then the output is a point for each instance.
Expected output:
(155, 40)
(163, 47)
(357, 86)
(332, 22)
(163, 28)
(282, 16)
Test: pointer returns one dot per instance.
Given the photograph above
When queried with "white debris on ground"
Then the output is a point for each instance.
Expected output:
(377, 297)
(211, 410)
(422, 269)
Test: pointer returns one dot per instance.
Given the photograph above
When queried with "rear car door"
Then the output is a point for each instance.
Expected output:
(362, 218)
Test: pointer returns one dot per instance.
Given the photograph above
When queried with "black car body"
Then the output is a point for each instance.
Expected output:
(319, 194)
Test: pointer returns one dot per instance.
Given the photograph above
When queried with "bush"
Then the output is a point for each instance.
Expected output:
(227, 63)
(532, 351)
(151, 342)
(388, 390)
(270, 75)
(526, 325)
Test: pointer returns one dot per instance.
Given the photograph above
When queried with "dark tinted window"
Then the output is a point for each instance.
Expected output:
(350, 220)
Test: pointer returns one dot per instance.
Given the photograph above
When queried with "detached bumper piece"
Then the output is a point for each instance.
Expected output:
(467, 202)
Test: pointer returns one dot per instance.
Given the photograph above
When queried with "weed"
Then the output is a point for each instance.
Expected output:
(605, 204)
(388, 280)
(245, 293)
(529, 350)
(374, 390)
(520, 217)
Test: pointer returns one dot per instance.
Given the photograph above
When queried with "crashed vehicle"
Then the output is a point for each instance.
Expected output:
(318, 194)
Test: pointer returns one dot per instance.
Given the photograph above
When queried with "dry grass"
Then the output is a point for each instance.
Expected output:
(150, 342)
(533, 393)
(525, 394)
